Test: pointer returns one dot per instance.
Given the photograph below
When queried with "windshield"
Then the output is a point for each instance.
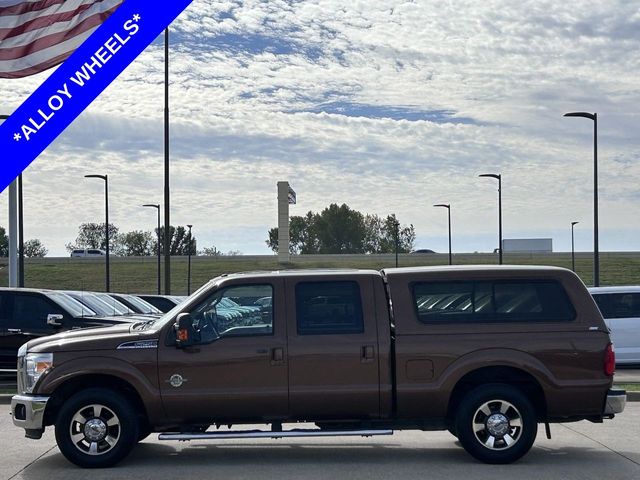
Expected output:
(142, 305)
(93, 302)
(114, 304)
(71, 305)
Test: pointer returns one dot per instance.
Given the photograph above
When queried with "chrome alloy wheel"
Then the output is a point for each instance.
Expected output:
(95, 429)
(497, 425)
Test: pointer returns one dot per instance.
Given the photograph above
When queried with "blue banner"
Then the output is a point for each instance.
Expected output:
(79, 80)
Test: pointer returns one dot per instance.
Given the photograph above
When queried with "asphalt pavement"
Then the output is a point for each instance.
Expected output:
(580, 450)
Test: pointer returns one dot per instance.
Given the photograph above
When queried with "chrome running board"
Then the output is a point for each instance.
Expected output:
(183, 436)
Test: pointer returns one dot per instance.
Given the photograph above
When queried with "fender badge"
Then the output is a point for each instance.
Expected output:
(176, 380)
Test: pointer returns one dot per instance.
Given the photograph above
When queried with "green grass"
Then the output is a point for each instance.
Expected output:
(629, 387)
(138, 275)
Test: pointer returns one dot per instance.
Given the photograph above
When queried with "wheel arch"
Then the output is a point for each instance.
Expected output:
(83, 382)
(499, 374)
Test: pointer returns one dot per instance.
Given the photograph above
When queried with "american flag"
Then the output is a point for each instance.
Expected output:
(38, 34)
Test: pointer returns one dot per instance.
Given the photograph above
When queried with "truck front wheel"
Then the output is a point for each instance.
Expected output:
(496, 423)
(96, 428)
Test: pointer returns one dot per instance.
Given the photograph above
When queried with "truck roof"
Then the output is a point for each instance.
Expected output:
(320, 272)
(475, 268)
(302, 272)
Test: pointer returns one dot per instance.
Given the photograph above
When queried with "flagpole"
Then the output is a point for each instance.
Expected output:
(167, 209)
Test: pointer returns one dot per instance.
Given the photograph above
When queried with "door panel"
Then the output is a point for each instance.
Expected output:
(240, 376)
(26, 319)
(333, 374)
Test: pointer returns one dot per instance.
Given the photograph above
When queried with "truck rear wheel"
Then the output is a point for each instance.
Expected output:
(496, 424)
(96, 428)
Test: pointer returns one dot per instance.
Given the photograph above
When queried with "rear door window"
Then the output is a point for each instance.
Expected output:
(619, 305)
(324, 308)
(492, 301)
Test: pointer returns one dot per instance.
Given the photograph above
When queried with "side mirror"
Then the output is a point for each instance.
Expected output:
(55, 319)
(185, 333)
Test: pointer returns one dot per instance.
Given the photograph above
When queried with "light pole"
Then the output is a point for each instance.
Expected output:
(573, 251)
(596, 252)
(448, 207)
(106, 227)
(157, 207)
(396, 224)
(189, 264)
(498, 177)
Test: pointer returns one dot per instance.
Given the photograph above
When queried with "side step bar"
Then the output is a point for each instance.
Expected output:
(271, 434)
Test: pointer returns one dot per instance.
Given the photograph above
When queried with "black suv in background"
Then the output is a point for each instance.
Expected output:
(162, 302)
(29, 313)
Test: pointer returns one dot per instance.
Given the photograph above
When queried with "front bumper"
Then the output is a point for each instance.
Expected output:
(28, 413)
(616, 401)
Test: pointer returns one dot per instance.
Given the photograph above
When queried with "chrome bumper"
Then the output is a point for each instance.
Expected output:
(28, 412)
(616, 401)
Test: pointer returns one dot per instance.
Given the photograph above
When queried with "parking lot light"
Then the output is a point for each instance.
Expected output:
(573, 251)
(498, 177)
(157, 206)
(596, 250)
(448, 207)
(106, 228)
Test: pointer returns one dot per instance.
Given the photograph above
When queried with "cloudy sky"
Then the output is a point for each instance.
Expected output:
(388, 106)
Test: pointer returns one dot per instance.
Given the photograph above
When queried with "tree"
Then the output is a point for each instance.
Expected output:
(34, 248)
(339, 229)
(302, 235)
(4, 243)
(211, 251)
(406, 236)
(92, 235)
(137, 243)
(179, 241)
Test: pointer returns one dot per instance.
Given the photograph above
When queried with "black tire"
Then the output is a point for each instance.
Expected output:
(496, 424)
(96, 428)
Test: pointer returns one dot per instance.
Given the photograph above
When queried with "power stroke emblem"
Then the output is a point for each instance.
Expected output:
(176, 380)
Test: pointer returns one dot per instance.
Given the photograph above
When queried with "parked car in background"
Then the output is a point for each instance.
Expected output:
(88, 252)
(162, 302)
(101, 306)
(27, 313)
(620, 307)
(136, 304)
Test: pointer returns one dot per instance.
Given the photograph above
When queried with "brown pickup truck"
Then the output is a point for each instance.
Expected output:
(485, 352)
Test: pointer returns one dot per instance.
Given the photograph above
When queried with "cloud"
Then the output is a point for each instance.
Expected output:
(389, 106)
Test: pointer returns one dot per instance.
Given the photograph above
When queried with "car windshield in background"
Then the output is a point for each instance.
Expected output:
(143, 306)
(71, 305)
(94, 303)
(117, 307)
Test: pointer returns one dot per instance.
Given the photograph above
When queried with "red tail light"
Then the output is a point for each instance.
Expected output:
(609, 361)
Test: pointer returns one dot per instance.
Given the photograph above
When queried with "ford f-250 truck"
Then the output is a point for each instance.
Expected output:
(485, 352)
